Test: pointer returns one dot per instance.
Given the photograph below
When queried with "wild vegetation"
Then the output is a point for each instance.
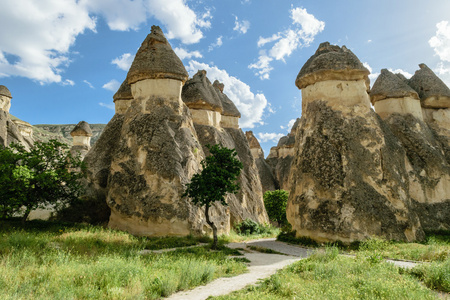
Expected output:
(45, 260)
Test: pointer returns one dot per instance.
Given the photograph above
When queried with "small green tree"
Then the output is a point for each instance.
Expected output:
(37, 178)
(275, 203)
(217, 178)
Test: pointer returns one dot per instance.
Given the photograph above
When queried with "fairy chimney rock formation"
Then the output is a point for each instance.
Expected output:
(390, 94)
(268, 181)
(207, 104)
(81, 135)
(202, 99)
(335, 75)
(122, 98)
(434, 97)
(148, 152)
(5, 98)
(348, 178)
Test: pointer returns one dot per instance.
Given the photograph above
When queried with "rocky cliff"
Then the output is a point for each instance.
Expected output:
(62, 132)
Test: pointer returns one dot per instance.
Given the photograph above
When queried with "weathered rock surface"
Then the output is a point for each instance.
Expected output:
(268, 181)
(81, 135)
(61, 132)
(348, 178)
(280, 157)
(150, 150)
(199, 94)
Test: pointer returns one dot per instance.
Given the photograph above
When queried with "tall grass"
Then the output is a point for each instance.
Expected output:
(96, 263)
(327, 275)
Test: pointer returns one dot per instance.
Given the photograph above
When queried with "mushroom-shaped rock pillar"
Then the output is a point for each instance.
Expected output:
(202, 99)
(122, 98)
(434, 97)
(230, 113)
(5, 98)
(335, 75)
(81, 135)
(390, 94)
(348, 179)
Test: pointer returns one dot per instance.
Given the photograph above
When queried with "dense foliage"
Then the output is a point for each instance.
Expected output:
(217, 178)
(47, 175)
(275, 203)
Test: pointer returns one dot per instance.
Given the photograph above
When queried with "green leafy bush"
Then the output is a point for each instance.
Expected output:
(275, 203)
(249, 227)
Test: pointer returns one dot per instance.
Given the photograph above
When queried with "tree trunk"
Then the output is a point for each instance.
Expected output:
(25, 215)
(213, 226)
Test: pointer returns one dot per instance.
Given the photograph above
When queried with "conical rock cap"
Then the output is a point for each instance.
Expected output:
(198, 93)
(81, 129)
(124, 92)
(390, 85)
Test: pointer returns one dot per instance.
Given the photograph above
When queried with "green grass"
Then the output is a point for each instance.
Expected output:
(327, 275)
(45, 260)
(435, 275)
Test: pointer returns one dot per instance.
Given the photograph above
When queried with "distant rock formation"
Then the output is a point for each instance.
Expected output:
(427, 165)
(12, 130)
(280, 157)
(348, 180)
(61, 132)
(216, 120)
(268, 181)
(81, 135)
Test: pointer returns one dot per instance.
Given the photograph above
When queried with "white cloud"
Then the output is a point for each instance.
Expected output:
(250, 105)
(217, 44)
(441, 41)
(68, 82)
(441, 46)
(89, 84)
(290, 124)
(112, 85)
(124, 61)
(300, 34)
(36, 36)
(110, 105)
(183, 53)
(266, 137)
(242, 26)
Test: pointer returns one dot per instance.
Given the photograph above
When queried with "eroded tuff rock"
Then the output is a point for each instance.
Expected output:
(268, 181)
(280, 157)
(348, 178)
(204, 100)
(427, 166)
(81, 135)
(150, 150)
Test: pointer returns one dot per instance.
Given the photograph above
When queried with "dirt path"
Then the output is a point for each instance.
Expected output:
(262, 265)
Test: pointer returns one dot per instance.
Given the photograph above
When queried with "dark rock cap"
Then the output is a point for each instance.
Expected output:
(156, 59)
(427, 84)
(331, 62)
(390, 85)
(81, 129)
(198, 93)
(4, 91)
(124, 92)
(229, 109)
(252, 140)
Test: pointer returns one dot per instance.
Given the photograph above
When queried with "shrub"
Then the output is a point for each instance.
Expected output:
(248, 227)
(275, 203)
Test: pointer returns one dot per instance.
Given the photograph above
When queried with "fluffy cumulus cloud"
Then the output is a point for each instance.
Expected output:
(36, 36)
(269, 137)
(112, 85)
(124, 61)
(249, 104)
(441, 46)
(301, 33)
(241, 26)
(185, 54)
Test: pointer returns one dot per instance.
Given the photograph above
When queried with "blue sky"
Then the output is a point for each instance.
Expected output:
(63, 60)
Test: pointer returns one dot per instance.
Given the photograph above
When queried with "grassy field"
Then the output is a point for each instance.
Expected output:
(46, 260)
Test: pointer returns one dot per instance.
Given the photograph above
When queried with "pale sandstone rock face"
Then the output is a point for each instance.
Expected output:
(390, 94)
(230, 113)
(200, 96)
(122, 98)
(150, 150)
(268, 181)
(5, 98)
(280, 157)
(348, 178)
